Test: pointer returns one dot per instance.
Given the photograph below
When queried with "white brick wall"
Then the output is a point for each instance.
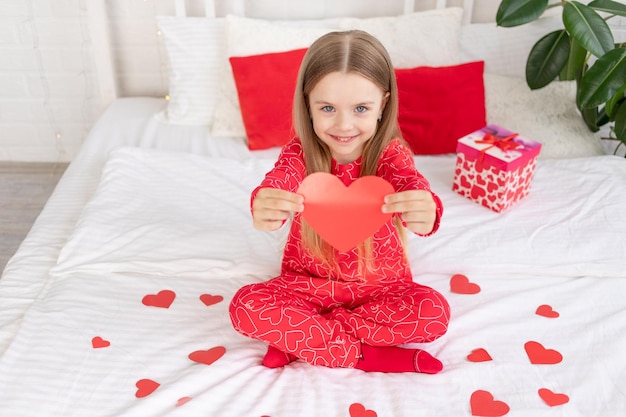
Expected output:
(49, 95)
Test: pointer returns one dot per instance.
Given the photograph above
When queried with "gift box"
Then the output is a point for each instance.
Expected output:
(495, 167)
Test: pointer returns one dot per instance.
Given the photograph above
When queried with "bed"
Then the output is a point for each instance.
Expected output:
(116, 303)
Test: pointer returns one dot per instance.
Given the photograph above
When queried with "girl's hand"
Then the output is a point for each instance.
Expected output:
(271, 207)
(417, 209)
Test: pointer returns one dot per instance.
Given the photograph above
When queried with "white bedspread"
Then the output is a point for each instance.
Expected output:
(175, 228)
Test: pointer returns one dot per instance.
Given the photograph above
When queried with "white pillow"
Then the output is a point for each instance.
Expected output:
(504, 50)
(196, 50)
(247, 36)
(422, 38)
(548, 115)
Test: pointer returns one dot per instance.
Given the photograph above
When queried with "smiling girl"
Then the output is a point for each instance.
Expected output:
(354, 308)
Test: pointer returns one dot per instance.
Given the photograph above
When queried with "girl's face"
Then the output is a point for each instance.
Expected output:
(345, 108)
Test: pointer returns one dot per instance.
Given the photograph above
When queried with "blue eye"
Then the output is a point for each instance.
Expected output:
(328, 108)
(360, 109)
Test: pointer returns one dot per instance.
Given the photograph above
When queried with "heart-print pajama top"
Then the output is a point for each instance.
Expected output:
(390, 265)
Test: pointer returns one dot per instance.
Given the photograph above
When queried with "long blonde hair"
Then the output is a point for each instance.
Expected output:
(348, 51)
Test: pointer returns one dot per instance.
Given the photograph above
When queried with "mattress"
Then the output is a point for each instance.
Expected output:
(116, 304)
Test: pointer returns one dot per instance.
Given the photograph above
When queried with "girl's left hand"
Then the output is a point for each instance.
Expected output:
(417, 209)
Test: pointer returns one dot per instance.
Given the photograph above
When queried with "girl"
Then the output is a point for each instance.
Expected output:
(332, 308)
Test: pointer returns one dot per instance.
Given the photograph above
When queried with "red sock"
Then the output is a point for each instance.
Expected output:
(396, 359)
(275, 358)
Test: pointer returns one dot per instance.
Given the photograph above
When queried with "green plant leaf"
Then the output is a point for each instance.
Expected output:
(588, 28)
(615, 101)
(517, 12)
(575, 61)
(609, 6)
(546, 59)
(620, 122)
(603, 79)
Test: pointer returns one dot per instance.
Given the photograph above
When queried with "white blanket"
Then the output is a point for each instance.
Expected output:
(175, 228)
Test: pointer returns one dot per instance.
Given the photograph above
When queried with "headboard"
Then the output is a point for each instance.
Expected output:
(100, 22)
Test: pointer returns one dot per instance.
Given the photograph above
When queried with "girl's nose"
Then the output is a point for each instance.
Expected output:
(343, 121)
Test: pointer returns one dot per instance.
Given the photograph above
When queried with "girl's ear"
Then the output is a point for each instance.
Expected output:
(383, 104)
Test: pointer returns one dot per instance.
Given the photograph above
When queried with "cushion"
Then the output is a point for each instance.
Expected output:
(416, 39)
(265, 87)
(438, 105)
(196, 49)
(246, 37)
(548, 115)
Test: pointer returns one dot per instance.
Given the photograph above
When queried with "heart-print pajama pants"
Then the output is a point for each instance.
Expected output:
(324, 322)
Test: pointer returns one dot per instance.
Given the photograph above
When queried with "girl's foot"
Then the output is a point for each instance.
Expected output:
(396, 359)
(275, 358)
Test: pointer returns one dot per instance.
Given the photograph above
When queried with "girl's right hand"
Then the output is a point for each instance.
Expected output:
(271, 207)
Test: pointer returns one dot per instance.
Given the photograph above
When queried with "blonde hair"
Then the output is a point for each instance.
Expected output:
(348, 51)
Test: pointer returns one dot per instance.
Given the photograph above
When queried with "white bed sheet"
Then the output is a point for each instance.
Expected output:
(571, 259)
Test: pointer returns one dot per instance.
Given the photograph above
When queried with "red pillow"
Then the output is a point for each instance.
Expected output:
(265, 86)
(439, 105)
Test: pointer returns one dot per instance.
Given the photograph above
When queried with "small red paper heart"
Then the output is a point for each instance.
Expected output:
(207, 357)
(551, 398)
(99, 343)
(182, 401)
(209, 299)
(146, 387)
(539, 355)
(546, 311)
(344, 216)
(358, 410)
(483, 404)
(479, 355)
(460, 284)
(163, 299)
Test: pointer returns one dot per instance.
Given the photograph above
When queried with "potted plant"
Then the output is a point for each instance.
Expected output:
(585, 51)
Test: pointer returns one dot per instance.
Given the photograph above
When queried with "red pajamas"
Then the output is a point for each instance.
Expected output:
(322, 315)
(324, 322)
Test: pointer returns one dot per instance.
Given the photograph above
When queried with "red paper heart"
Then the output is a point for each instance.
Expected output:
(182, 401)
(358, 410)
(98, 343)
(539, 355)
(479, 355)
(146, 387)
(483, 404)
(163, 299)
(207, 357)
(546, 311)
(552, 398)
(460, 284)
(209, 299)
(344, 216)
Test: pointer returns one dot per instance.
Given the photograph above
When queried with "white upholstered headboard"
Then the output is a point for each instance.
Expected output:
(102, 24)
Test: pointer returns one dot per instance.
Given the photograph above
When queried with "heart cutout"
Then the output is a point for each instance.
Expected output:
(460, 284)
(99, 343)
(207, 357)
(479, 355)
(146, 387)
(359, 410)
(539, 355)
(344, 216)
(209, 299)
(163, 299)
(483, 404)
(552, 398)
(546, 310)
(182, 401)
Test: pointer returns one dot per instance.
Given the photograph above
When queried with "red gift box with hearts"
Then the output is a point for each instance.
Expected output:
(495, 167)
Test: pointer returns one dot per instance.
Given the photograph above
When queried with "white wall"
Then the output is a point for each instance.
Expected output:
(49, 96)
